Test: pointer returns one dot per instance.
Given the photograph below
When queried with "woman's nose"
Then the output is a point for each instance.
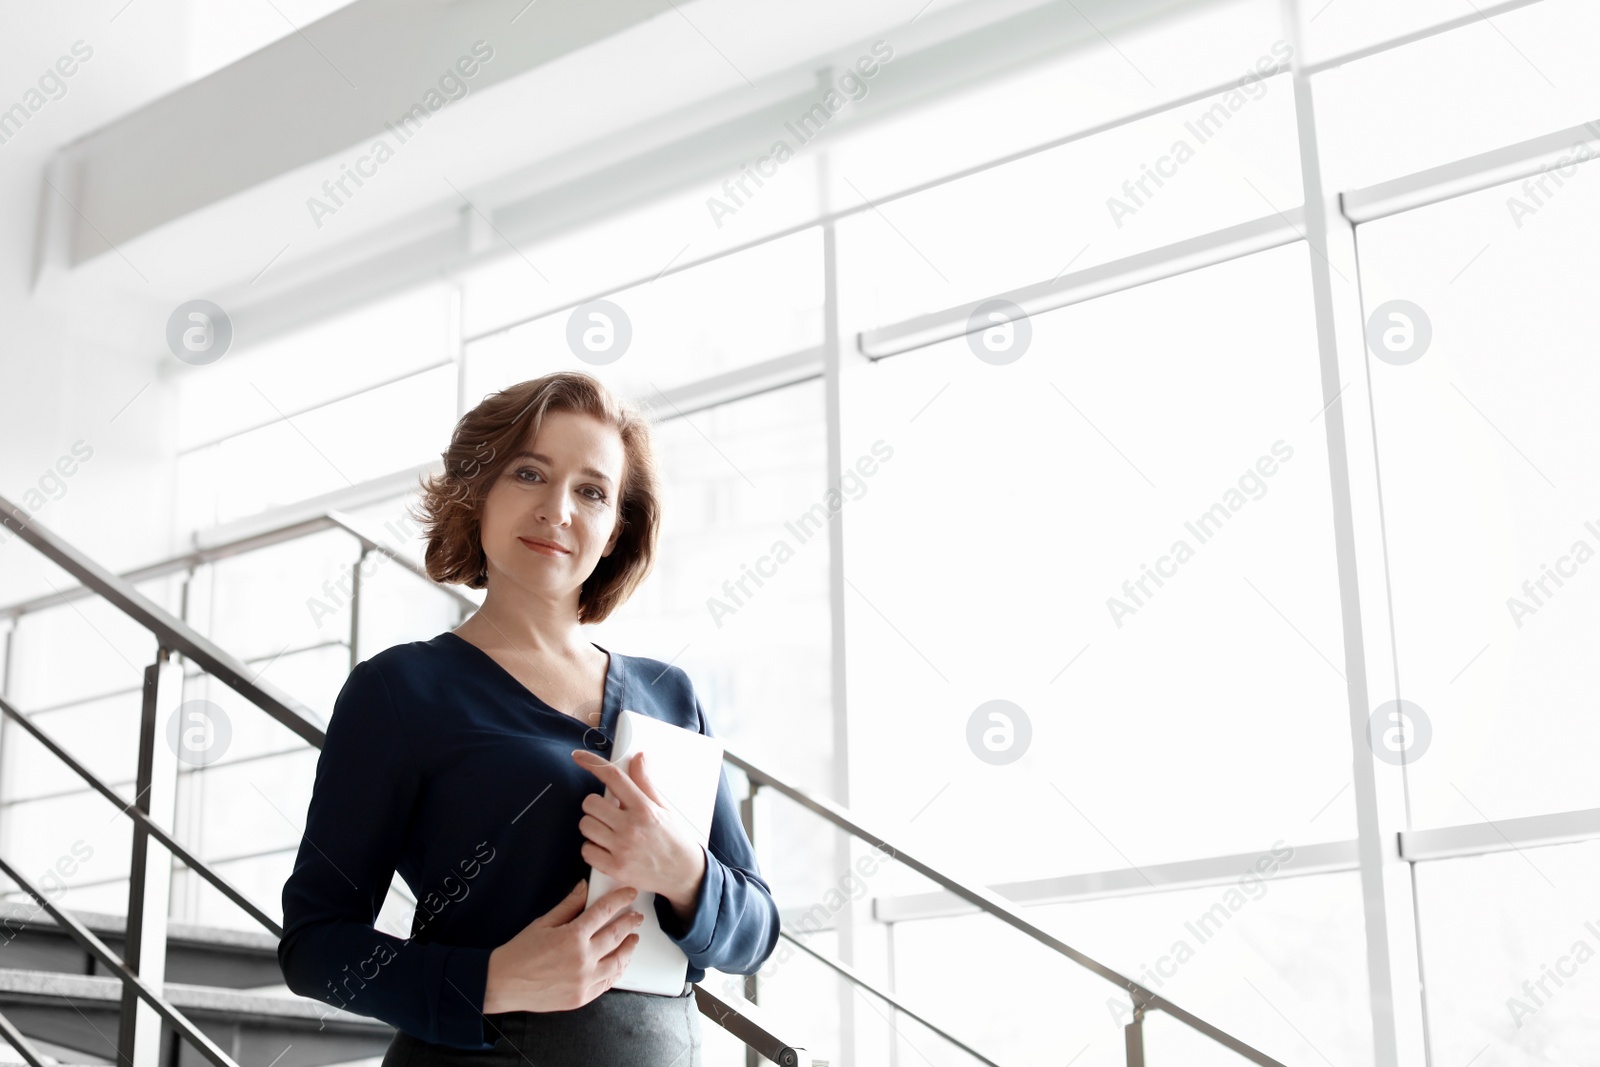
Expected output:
(555, 508)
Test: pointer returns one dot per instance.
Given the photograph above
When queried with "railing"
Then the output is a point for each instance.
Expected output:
(740, 1018)
(293, 531)
(177, 636)
(1144, 1001)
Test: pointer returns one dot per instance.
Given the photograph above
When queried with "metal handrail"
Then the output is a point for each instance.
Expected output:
(189, 859)
(174, 634)
(354, 528)
(290, 531)
(178, 636)
(171, 632)
(84, 937)
(32, 1056)
(744, 1021)
(1143, 999)
(860, 981)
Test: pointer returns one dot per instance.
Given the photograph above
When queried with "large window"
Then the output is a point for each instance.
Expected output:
(1083, 640)
(670, 331)
(1132, 546)
(1487, 447)
(317, 411)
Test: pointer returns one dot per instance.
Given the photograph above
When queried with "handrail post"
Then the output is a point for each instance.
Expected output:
(5, 662)
(752, 983)
(1133, 1036)
(144, 949)
(119, 969)
(355, 607)
(5, 725)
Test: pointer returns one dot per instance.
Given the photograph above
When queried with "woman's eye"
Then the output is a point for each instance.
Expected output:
(598, 497)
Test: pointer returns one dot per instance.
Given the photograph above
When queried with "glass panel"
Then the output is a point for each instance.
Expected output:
(1338, 28)
(378, 432)
(248, 806)
(799, 995)
(1130, 546)
(1491, 506)
(738, 478)
(102, 735)
(314, 676)
(80, 650)
(1280, 964)
(1120, 63)
(398, 605)
(260, 879)
(257, 384)
(719, 1048)
(392, 521)
(77, 844)
(728, 314)
(1219, 162)
(283, 597)
(1508, 948)
(1491, 83)
(638, 245)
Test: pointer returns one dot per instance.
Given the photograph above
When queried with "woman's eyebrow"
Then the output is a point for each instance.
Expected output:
(547, 461)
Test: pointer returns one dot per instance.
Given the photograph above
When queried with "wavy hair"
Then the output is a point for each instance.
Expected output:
(481, 448)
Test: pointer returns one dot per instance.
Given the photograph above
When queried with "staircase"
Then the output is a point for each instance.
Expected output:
(79, 988)
(225, 981)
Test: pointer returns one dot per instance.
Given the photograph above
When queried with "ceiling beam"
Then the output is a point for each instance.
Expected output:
(329, 85)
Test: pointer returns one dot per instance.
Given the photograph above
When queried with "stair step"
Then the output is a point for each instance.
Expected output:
(79, 1014)
(196, 955)
(104, 923)
(20, 986)
(64, 1056)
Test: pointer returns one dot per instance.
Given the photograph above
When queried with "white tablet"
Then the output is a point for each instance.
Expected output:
(685, 767)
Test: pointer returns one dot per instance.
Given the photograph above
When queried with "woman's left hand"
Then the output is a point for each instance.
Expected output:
(634, 837)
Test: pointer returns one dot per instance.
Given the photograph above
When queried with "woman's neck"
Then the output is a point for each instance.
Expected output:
(528, 625)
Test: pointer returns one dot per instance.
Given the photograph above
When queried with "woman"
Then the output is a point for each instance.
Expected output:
(473, 764)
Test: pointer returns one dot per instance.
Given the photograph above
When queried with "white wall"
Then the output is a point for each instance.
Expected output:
(65, 371)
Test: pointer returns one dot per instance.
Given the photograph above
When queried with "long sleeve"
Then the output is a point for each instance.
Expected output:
(735, 923)
(366, 786)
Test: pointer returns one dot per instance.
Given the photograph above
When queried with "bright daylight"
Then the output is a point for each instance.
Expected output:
(893, 533)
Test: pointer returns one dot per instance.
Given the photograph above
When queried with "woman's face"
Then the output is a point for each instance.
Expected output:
(563, 488)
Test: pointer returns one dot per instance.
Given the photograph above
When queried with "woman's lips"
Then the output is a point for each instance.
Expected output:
(543, 546)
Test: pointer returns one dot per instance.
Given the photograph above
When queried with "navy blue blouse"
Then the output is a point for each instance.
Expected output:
(439, 764)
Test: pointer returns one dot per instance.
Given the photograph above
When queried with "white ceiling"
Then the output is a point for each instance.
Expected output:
(205, 192)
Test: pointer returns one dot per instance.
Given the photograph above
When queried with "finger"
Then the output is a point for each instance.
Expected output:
(612, 934)
(622, 787)
(616, 961)
(570, 907)
(605, 971)
(602, 860)
(605, 909)
(611, 965)
(636, 771)
(598, 832)
(604, 808)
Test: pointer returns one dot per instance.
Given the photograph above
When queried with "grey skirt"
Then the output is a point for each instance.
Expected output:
(618, 1028)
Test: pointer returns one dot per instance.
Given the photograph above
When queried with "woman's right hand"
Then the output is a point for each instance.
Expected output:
(566, 957)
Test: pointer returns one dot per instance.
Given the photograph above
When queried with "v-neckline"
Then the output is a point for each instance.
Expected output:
(610, 701)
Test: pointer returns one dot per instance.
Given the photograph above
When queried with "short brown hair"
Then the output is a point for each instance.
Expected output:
(481, 448)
